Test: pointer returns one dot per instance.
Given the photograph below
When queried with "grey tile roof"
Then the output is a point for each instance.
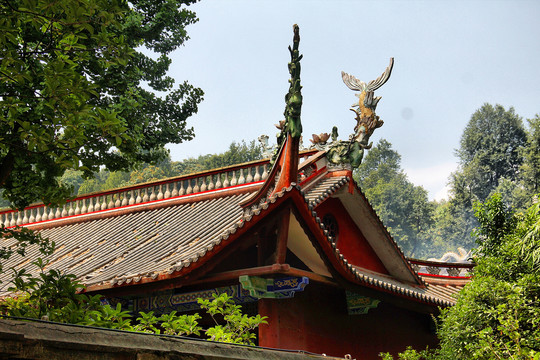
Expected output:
(441, 295)
(145, 244)
(324, 188)
(447, 293)
(129, 246)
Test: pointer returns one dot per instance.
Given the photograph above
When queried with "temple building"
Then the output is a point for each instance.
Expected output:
(292, 238)
(312, 255)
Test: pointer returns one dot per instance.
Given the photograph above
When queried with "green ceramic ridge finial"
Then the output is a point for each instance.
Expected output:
(293, 99)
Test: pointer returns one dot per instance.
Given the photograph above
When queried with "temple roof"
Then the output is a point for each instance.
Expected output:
(165, 230)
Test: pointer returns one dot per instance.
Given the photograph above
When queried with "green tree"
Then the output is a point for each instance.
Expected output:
(403, 207)
(530, 170)
(105, 180)
(73, 179)
(454, 219)
(147, 174)
(90, 186)
(237, 327)
(236, 154)
(451, 229)
(71, 94)
(497, 315)
(514, 193)
(116, 179)
(490, 158)
(490, 149)
(3, 202)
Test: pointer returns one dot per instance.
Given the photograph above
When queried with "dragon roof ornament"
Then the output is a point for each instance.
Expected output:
(350, 153)
(292, 124)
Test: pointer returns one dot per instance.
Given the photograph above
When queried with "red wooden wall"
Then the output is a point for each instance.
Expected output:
(351, 243)
(316, 320)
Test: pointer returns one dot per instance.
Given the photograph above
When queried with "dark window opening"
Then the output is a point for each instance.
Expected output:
(331, 225)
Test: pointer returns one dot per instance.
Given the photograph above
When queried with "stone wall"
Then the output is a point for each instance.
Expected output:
(47, 341)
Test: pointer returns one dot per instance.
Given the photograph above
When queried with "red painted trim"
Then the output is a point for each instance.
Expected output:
(315, 174)
(283, 235)
(442, 264)
(222, 190)
(284, 269)
(445, 276)
(289, 164)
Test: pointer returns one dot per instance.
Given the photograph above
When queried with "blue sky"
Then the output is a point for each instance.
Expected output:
(450, 58)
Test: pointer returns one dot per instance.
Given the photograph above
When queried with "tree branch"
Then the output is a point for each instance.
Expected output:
(6, 167)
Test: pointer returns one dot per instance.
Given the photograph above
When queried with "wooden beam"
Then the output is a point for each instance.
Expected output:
(234, 274)
(284, 269)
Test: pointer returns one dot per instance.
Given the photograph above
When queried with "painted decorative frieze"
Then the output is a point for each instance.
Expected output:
(360, 305)
(269, 288)
(166, 302)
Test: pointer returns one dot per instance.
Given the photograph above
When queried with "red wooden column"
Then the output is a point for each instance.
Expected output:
(269, 333)
(286, 328)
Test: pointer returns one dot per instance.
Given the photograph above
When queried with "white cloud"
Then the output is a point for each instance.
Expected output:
(441, 194)
(434, 178)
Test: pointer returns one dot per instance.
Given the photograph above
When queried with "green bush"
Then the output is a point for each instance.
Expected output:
(497, 315)
(56, 297)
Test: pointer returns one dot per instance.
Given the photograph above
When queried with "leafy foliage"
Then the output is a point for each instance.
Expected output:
(173, 324)
(495, 224)
(403, 207)
(493, 319)
(530, 170)
(490, 149)
(238, 326)
(71, 90)
(452, 228)
(55, 296)
(51, 295)
(105, 180)
(408, 354)
(497, 315)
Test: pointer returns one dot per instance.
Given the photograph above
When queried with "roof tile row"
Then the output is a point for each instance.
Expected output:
(144, 244)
